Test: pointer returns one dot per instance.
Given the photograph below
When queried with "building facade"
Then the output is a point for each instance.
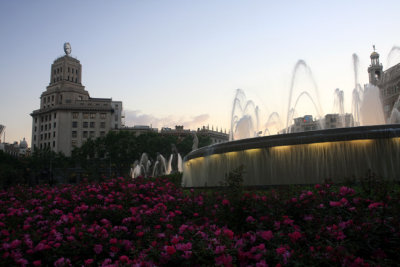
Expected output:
(388, 82)
(68, 116)
(330, 121)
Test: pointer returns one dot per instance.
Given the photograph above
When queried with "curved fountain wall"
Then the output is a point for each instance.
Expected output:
(299, 158)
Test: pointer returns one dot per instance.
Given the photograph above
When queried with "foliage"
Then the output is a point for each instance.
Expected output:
(152, 222)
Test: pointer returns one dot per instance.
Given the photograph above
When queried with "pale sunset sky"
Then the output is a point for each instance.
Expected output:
(180, 62)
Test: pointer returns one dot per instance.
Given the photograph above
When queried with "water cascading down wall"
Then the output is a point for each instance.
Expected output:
(299, 158)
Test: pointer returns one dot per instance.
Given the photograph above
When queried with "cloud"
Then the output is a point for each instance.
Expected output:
(136, 117)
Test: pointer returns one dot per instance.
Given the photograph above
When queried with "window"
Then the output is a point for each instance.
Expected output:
(52, 98)
(86, 115)
(74, 134)
(55, 115)
(54, 125)
(85, 134)
(54, 134)
(44, 100)
(73, 143)
(116, 126)
(41, 127)
(68, 70)
(102, 125)
(102, 133)
(74, 124)
(75, 115)
(85, 124)
(54, 143)
(102, 116)
(92, 134)
(35, 129)
(116, 117)
(45, 127)
(92, 124)
(34, 138)
(35, 120)
(76, 71)
(92, 115)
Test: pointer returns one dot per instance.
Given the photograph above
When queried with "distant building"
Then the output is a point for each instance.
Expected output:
(178, 131)
(68, 116)
(330, 121)
(215, 136)
(338, 121)
(388, 82)
(15, 149)
(139, 129)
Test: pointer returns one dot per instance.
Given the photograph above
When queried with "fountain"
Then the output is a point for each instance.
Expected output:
(142, 167)
(244, 117)
(303, 157)
(160, 166)
(175, 161)
(299, 158)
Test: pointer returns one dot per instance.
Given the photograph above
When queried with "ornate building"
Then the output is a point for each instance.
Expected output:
(388, 82)
(68, 116)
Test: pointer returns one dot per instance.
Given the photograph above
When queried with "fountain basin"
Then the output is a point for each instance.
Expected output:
(299, 158)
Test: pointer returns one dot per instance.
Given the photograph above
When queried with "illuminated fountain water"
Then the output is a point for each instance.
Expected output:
(244, 117)
(301, 65)
(299, 158)
(306, 157)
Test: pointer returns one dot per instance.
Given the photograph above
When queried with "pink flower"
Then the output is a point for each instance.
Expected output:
(228, 233)
(225, 202)
(280, 250)
(225, 260)
(88, 262)
(266, 235)
(170, 250)
(62, 262)
(335, 204)
(294, 236)
(175, 240)
(124, 259)
(37, 263)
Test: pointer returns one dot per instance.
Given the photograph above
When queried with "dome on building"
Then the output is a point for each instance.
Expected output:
(374, 55)
(23, 144)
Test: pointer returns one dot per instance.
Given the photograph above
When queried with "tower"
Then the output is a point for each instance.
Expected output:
(375, 69)
(68, 116)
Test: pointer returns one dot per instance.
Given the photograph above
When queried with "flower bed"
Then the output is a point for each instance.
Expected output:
(153, 222)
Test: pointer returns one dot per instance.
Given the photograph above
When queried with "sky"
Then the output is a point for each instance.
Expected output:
(181, 62)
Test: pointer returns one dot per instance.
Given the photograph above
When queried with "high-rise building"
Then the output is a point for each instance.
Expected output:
(68, 116)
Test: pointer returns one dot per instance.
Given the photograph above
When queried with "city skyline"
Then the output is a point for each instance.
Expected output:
(179, 63)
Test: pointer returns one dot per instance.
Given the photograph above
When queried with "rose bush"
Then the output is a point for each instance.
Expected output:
(152, 222)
